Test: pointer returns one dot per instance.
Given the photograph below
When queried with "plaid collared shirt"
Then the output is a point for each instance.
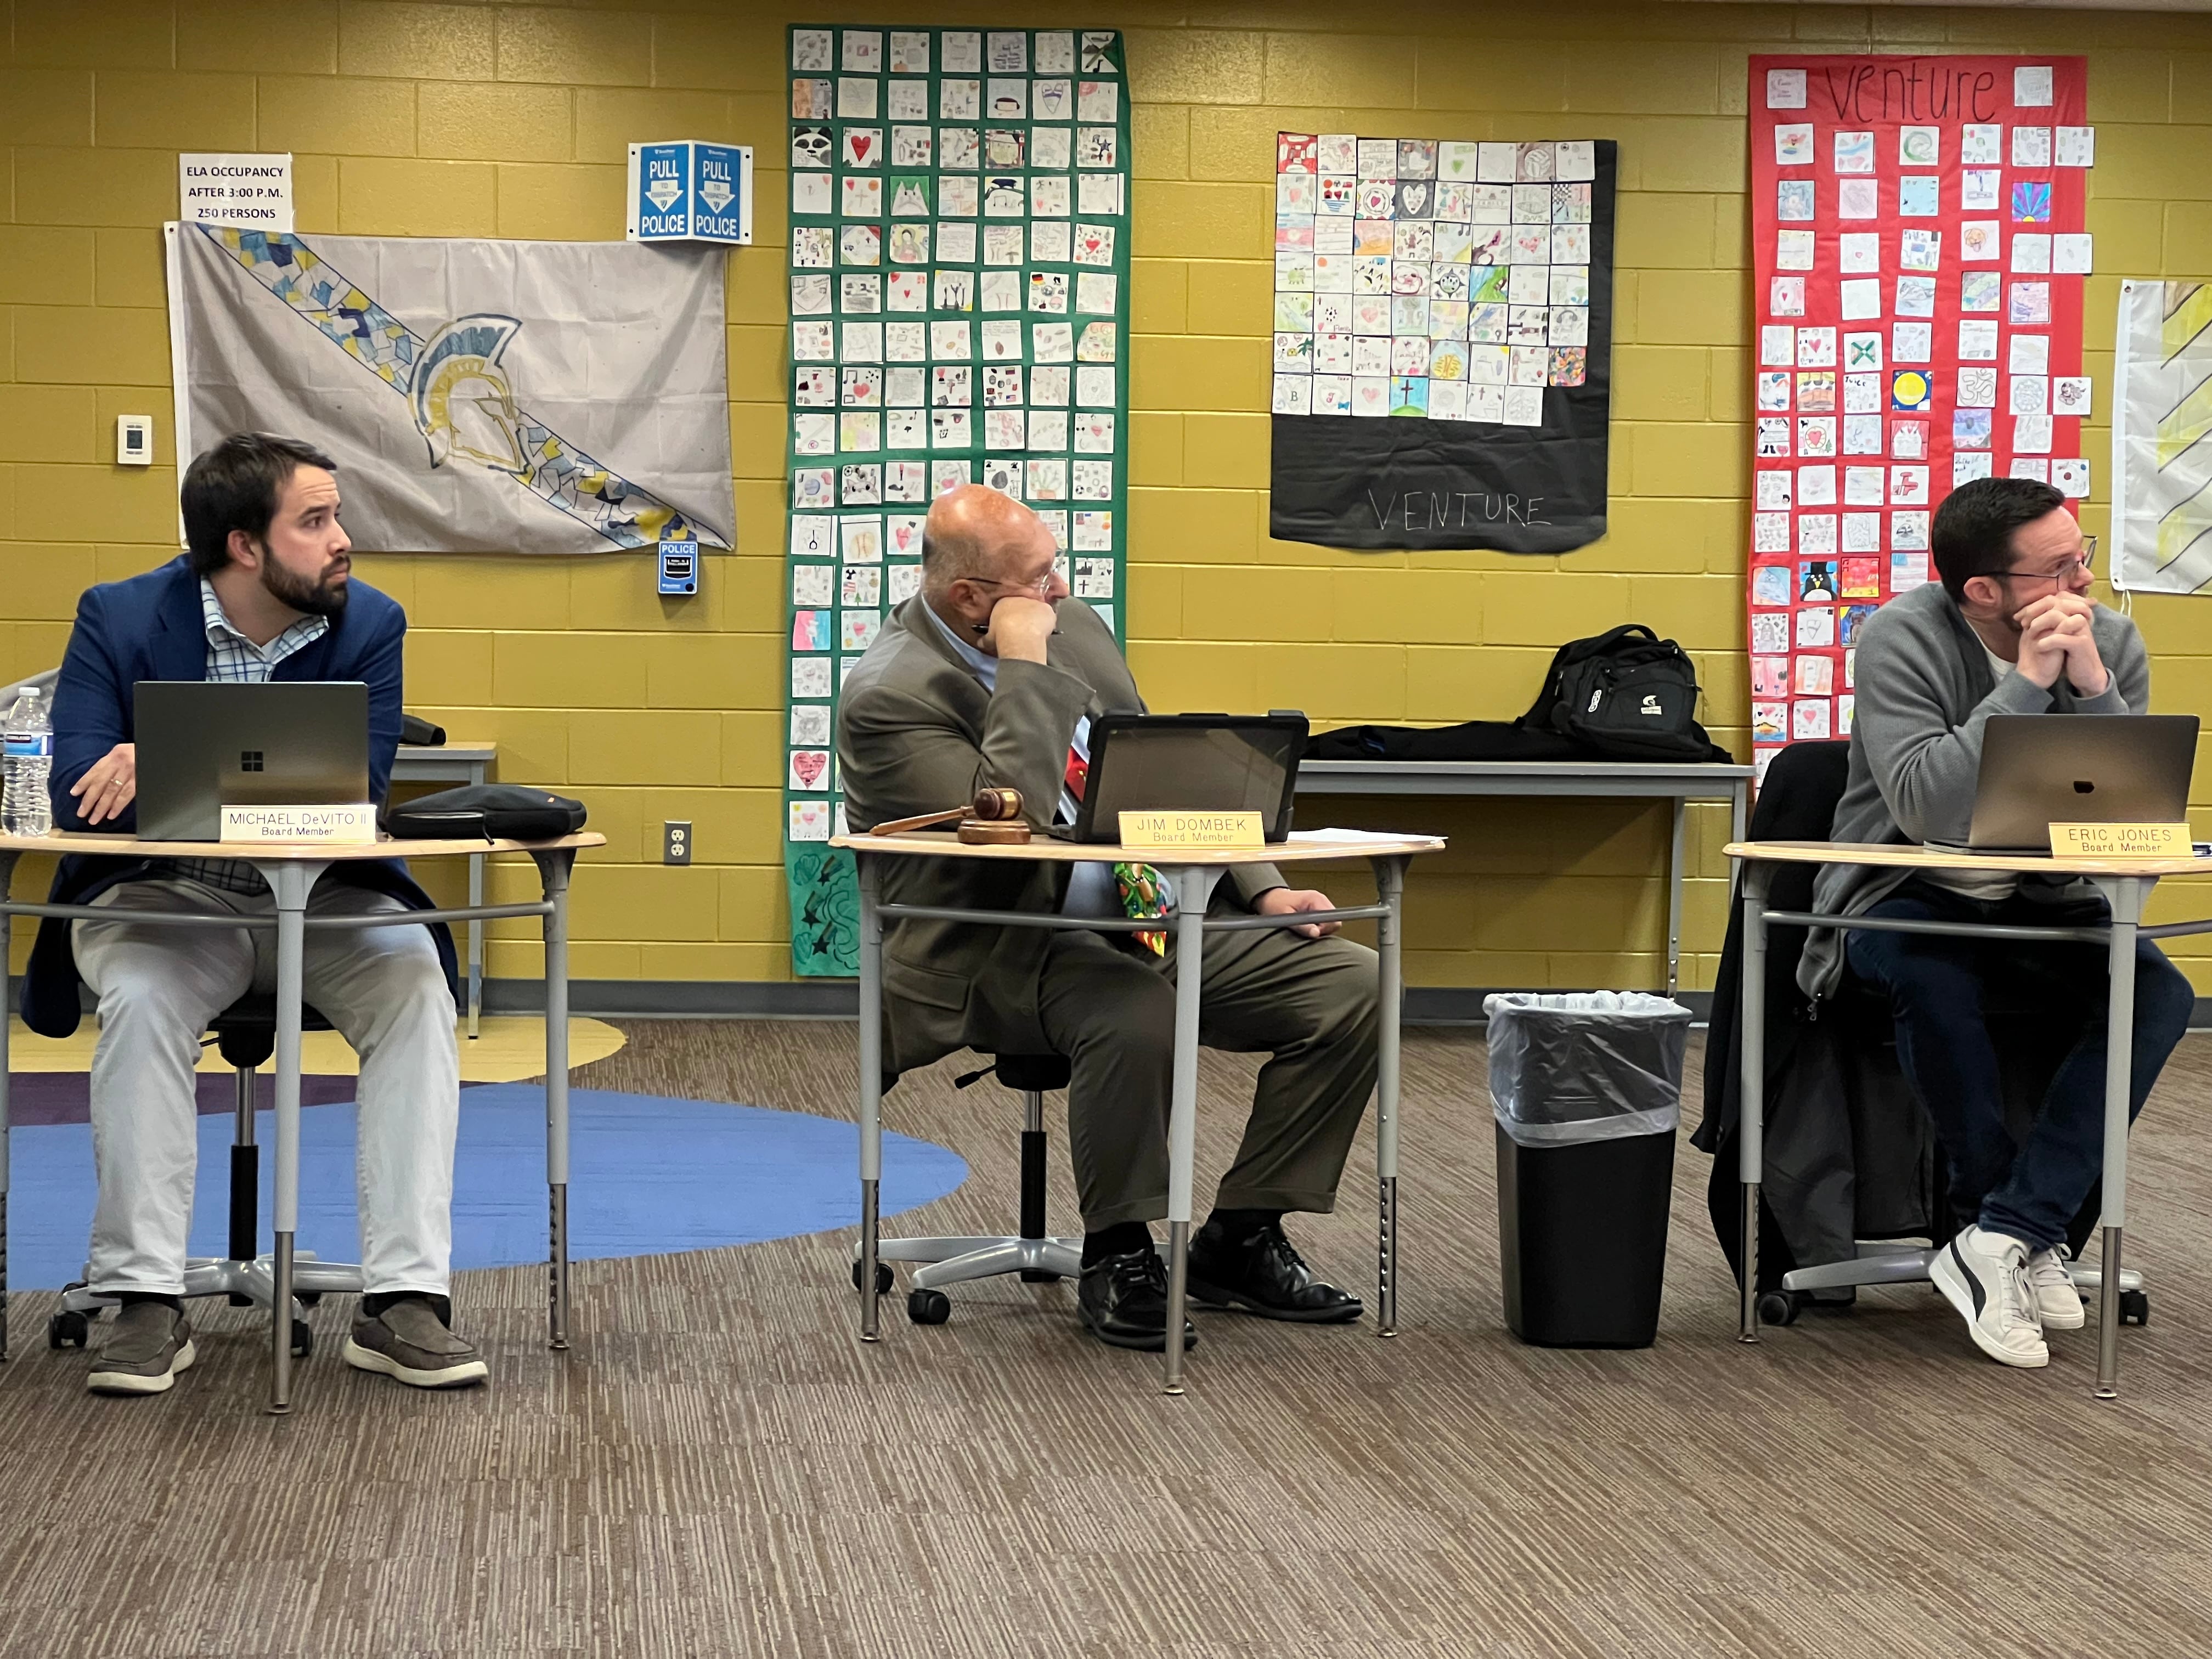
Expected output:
(233, 657)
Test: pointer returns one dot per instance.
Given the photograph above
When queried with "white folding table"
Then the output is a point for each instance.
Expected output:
(1680, 782)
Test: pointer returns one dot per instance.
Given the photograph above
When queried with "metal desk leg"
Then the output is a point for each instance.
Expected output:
(1674, 895)
(1751, 1127)
(1739, 808)
(477, 928)
(1193, 886)
(1389, 991)
(2125, 894)
(475, 943)
(553, 870)
(6, 924)
(871, 1091)
(291, 882)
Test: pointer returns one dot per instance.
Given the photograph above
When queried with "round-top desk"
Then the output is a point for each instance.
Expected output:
(1190, 876)
(2125, 884)
(291, 872)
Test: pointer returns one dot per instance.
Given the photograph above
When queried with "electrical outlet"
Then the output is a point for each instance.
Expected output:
(675, 842)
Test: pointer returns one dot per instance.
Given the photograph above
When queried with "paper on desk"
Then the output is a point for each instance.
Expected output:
(1352, 835)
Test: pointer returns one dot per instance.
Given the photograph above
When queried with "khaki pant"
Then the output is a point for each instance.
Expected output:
(384, 990)
(1308, 1003)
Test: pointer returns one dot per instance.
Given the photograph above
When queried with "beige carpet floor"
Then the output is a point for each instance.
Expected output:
(717, 1467)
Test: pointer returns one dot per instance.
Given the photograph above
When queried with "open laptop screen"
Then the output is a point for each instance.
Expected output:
(1191, 762)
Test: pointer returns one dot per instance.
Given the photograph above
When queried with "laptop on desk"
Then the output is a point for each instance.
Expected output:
(206, 744)
(2041, 769)
(1189, 763)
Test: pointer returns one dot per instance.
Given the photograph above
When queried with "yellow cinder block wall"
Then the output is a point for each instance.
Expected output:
(466, 120)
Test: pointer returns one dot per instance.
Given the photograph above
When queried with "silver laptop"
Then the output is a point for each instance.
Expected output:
(206, 744)
(2042, 769)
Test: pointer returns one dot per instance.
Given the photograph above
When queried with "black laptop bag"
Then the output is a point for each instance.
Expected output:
(495, 812)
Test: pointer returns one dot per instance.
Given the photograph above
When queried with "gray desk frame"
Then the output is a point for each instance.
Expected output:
(1193, 886)
(1635, 779)
(2126, 895)
(456, 762)
(292, 879)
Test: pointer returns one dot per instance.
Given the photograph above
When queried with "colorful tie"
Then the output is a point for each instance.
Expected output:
(1142, 890)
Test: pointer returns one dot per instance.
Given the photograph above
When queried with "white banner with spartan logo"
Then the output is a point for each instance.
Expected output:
(478, 396)
(2162, 439)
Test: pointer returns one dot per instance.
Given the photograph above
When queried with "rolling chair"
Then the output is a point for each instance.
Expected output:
(1038, 1259)
(1840, 1062)
(246, 1035)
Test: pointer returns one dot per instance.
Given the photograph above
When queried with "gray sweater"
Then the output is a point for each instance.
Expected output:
(1924, 691)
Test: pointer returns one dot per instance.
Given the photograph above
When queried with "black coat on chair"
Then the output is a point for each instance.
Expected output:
(1849, 1154)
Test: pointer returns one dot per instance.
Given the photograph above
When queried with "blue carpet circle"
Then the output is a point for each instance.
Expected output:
(648, 1175)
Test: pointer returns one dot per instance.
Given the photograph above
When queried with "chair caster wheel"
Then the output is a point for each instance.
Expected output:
(884, 1280)
(303, 1339)
(2135, 1306)
(67, 1330)
(928, 1306)
(1029, 1277)
(1777, 1308)
(308, 1299)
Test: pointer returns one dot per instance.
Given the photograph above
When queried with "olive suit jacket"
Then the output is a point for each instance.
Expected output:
(918, 731)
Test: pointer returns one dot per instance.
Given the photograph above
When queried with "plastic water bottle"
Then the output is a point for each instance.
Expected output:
(26, 809)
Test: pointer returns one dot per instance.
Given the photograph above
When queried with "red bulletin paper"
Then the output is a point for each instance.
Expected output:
(1918, 245)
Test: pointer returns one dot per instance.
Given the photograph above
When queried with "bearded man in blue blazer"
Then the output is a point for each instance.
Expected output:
(266, 592)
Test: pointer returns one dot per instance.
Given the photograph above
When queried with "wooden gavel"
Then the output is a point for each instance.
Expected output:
(992, 819)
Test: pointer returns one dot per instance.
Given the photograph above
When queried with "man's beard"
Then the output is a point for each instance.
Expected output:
(316, 598)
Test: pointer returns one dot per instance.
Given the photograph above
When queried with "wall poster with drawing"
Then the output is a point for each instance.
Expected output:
(959, 314)
(1918, 249)
(1443, 342)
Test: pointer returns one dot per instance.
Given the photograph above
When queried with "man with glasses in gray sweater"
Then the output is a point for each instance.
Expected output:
(2010, 629)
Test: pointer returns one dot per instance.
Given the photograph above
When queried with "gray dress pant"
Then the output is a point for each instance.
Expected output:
(1308, 1003)
(382, 988)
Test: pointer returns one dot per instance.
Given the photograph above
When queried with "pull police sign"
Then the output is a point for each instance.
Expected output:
(688, 191)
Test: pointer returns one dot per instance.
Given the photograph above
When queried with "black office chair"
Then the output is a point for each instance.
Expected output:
(1038, 1259)
(245, 1033)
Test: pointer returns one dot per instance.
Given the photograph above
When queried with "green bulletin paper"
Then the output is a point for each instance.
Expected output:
(959, 314)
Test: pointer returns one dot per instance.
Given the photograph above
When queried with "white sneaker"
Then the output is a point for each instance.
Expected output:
(1985, 1276)
(2058, 1299)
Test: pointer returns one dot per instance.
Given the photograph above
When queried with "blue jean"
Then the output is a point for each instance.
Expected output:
(1936, 986)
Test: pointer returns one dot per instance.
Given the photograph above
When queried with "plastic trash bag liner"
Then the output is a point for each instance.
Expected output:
(1571, 1067)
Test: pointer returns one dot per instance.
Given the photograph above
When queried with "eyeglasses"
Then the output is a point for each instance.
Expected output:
(1041, 587)
(2065, 573)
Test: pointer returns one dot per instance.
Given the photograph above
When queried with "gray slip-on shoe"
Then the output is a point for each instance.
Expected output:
(411, 1340)
(150, 1344)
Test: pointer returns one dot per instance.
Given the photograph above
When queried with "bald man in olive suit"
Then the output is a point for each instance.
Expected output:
(986, 678)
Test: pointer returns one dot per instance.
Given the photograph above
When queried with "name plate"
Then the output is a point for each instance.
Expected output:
(1169, 832)
(301, 826)
(2120, 840)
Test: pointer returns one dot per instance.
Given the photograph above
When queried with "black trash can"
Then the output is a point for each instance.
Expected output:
(1587, 1091)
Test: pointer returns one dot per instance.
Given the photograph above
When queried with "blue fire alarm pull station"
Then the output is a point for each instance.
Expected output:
(679, 568)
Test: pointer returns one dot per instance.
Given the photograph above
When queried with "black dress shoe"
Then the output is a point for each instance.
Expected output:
(1123, 1300)
(1264, 1275)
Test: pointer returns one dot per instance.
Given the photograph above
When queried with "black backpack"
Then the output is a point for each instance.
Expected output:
(1627, 694)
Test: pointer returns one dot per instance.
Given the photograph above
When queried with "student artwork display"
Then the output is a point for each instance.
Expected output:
(1443, 340)
(2162, 439)
(1918, 249)
(479, 397)
(959, 314)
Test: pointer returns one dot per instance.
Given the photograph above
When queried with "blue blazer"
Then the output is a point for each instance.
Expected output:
(151, 628)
